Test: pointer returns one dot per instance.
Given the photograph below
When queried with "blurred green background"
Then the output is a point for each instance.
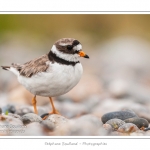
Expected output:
(93, 27)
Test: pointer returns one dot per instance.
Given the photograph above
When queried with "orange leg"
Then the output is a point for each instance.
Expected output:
(54, 111)
(34, 104)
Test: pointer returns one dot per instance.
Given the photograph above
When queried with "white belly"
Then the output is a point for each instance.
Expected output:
(58, 80)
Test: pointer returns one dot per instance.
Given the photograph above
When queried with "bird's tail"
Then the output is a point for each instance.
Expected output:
(5, 67)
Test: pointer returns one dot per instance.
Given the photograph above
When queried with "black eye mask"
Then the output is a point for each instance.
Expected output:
(69, 47)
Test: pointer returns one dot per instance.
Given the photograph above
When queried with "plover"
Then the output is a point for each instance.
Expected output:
(52, 74)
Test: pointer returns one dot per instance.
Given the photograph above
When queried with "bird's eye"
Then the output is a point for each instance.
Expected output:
(69, 47)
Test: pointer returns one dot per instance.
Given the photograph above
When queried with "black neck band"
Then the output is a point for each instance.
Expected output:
(54, 58)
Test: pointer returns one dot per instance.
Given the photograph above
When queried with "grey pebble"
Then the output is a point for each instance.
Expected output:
(128, 128)
(10, 108)
(139, 122)
(57, 120)
(30, 117)
(23, 111)
(48, 124)
(117, 114)
(115, 123)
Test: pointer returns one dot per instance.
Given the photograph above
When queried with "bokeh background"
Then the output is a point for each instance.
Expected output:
(116, 77)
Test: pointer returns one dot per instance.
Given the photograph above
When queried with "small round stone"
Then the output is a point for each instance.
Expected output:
(128, 128)
(57, 120)
(107, 127)
(23, 111)
(115, 123)
(10, 108)
(117, 114)
(30, 117)
(139, 122)
(48, 125)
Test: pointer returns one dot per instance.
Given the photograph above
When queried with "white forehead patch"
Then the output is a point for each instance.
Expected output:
(62, 44)
(78, 47)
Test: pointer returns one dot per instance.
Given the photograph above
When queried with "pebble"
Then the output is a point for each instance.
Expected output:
(115, 123)
(24, 110)
(128, 128)
(10, 108)
(107, 127)
(30, 117)
(139, 122)
(57, 120)
(117, 114)
(48, 124)
(131, 111)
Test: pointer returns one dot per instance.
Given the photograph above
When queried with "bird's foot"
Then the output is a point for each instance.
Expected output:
(44, 116)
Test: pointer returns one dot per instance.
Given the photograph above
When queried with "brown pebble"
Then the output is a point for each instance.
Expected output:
(115, 123)
(128, 128)
(107, 127)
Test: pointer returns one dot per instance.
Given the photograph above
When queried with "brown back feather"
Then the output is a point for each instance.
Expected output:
(33, 67)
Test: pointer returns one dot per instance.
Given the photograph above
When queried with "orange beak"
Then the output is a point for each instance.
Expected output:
(82, 54)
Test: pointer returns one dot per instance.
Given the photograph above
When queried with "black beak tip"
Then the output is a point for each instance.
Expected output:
(86, 56)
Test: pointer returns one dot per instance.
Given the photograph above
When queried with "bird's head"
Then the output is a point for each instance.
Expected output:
(68, 49)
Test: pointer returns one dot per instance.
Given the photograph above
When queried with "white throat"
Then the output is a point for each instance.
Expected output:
(68, 57)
